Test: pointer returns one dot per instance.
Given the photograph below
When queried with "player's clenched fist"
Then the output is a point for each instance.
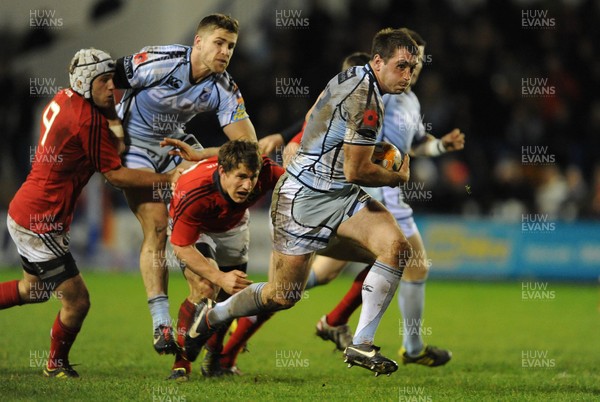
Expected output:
(454, 140)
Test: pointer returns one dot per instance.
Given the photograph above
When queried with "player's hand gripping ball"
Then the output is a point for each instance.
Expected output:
(387, 156)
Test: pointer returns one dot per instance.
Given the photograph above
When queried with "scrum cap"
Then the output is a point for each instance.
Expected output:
(87, 64)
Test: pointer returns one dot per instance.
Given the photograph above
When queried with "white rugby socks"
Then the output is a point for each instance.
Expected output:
(378, 290)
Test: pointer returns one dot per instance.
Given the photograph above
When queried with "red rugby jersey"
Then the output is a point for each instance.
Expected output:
(199, 205)
(74, 143)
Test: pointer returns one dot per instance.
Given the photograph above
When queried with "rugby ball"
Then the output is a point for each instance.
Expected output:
(387, 156)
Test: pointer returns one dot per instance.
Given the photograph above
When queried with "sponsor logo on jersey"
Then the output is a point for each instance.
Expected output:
(128, 67)
(345, 75)
(205, 95)
(174, 82)
(240, 113)
(140, 58)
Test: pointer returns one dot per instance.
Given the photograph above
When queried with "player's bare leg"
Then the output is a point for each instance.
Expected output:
(373, 228)
(286, 288)
(151, 212)
(326, 269)
(411, 300)
(290, 273)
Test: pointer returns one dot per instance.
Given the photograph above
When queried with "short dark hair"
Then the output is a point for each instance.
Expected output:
(215, 21)
(236, 152)
(415, 36)
(388, 40)
(355, 59)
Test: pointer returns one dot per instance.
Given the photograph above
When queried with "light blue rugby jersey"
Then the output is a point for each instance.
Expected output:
(350, 111)
(402, 124)
(162, 97)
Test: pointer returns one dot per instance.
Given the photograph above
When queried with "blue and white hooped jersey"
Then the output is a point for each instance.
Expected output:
(349, 111)
(402, 126)
(162, 97)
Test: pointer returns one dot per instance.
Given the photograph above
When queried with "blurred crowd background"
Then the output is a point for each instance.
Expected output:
(519, 78)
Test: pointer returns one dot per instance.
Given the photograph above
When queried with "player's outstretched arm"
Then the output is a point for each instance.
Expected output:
(185, 150)
(359, 169)
(123, 177)
(231, 282)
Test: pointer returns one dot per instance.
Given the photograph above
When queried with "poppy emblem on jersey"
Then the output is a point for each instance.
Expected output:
(370, 118)
(140, 58)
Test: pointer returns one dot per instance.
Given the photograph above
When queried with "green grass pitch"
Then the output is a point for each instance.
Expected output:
(506, 346)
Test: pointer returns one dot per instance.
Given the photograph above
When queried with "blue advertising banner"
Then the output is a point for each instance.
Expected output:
(534, 247)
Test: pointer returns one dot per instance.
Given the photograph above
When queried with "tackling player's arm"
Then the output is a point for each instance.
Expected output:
(101, 150)
(359, 169)
(231, 282)
(123, 177)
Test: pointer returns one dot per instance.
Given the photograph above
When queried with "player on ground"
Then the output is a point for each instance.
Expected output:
(210, 236)
(403, 127)
(318, 203)
(166, 86)
(75, 142)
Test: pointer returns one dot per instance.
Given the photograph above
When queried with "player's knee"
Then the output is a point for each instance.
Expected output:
(84, 305)
(417, 267)
(280, 301)
(80, 305)
(284, 301)
(277, 304)
(154, 226)
(326, 278)
(156, 235)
